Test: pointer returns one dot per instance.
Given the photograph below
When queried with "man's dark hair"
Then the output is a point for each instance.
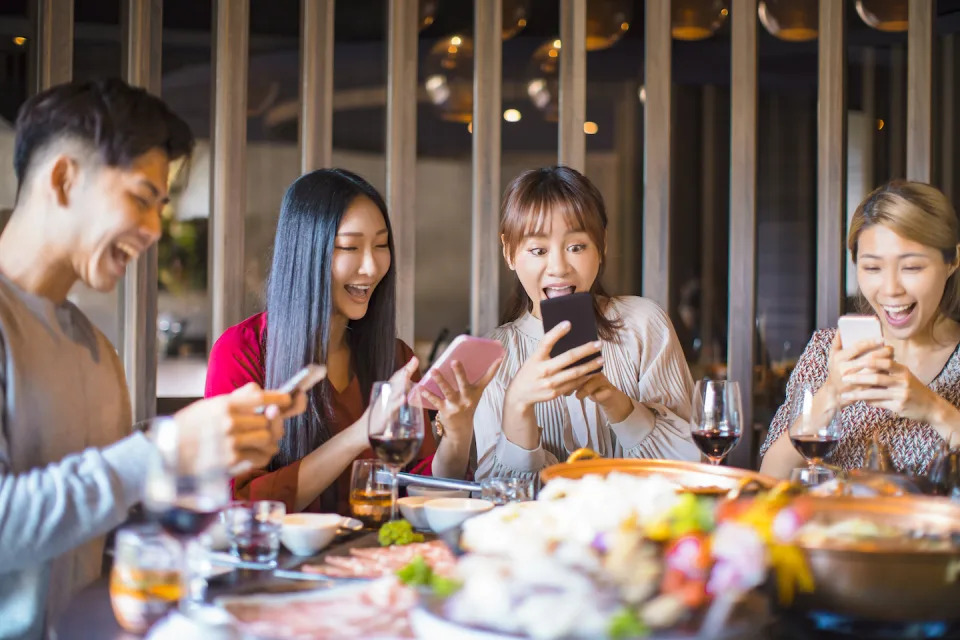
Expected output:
(119, 121)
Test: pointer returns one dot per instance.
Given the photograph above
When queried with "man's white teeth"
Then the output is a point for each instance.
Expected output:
(128, 249)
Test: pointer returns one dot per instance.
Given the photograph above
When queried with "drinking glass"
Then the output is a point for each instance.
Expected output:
(502, 490)
(145, 578)
(187, 485)
(395, 429)
(253, 529)
(815, 430)
(717, 418)
(369, 496)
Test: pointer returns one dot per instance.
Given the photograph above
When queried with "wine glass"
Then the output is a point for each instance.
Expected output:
(717, 418)
(187, 485)
(815, 434)
(395, 429)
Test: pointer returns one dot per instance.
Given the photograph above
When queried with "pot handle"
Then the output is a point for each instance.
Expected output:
(583, 454)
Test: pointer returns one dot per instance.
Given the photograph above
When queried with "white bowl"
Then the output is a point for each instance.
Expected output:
(446, 513)
(412, 509)
(436, 493)
(304, 534)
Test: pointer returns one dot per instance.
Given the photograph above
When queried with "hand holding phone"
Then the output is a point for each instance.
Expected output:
(577, 309)
(475, 355)
(302, 381)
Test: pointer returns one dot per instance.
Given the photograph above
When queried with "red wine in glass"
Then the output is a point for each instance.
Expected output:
(715, 443)
(186, 521)
(815, 447)
(396, 451)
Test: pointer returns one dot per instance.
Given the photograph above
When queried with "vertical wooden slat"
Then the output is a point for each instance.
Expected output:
(402, 152)
(656, 154)
(573, 83)
(625, 237)
(484, 239)
(316, 84)
(920, 90)
(831, 161)
(52, 53)
(228, 179)
(898, 119)
(947, 116)
(710, 217)
(142, 23)
(743, 215)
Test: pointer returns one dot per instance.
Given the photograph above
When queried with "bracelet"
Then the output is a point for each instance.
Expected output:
(437, 425)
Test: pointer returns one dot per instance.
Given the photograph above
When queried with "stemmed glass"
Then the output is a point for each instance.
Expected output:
(815, 433)
(717, 418)
(395, 429)
(187, 485)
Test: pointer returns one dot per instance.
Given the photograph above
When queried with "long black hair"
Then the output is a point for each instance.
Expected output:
(300, 302)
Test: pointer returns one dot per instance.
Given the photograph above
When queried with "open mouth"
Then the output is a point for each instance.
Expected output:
(122, 253)
(899, 315)
(359, 292)
(556, 292)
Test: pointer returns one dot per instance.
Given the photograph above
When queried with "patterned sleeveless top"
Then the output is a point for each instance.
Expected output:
(912, 444)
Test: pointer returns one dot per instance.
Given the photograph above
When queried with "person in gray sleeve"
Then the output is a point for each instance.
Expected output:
(92, 162)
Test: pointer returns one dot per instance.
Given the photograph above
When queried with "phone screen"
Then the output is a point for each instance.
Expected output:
(577, 308)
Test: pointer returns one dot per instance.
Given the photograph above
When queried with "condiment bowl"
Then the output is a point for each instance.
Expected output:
(304, 534)
(446, 513)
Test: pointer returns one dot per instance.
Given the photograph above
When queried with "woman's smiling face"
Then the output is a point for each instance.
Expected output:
(557, 261)
(902, 280)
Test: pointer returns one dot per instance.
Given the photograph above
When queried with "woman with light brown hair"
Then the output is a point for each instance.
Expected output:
(905, 390)
(631, 399)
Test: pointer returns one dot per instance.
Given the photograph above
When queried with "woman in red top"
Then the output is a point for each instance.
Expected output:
(331, 298)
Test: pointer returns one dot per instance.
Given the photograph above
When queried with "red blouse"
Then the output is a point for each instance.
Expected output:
(239, 357)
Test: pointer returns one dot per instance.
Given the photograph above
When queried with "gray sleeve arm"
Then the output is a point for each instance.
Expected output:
(47, 511)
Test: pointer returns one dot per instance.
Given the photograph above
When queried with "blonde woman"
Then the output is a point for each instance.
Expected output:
(906, 390)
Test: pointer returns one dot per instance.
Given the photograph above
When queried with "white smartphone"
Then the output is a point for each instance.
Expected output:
(475, 354)
(855, 329)
(305, 379)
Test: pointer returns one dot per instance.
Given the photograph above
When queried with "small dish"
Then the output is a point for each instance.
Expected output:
(412, 510)
(446, 513)
(413, 491)
(304, 534)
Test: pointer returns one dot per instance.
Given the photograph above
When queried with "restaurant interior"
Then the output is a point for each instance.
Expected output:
(732, 141)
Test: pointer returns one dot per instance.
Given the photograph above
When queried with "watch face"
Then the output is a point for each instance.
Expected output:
(437, 426)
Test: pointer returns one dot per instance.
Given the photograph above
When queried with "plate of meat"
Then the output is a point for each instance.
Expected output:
(377, 609)
(377, 562)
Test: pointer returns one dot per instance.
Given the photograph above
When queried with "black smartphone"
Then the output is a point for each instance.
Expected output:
(577, 308)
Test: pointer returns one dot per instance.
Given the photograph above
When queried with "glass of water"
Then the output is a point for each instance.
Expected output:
(502, 490)
(253, 529)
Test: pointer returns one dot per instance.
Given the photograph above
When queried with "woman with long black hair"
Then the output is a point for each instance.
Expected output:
(331, 298)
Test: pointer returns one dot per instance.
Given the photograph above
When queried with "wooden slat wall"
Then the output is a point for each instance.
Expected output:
(52, 55)
(573, 83)
(402, 152)
(484, 237)
(656, 154)
(920, 90)
(228, 177)
(831, 161)
(316, 84)
(743, 216)
(142, 23)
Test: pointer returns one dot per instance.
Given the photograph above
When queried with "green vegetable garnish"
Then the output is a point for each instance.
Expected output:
(627, 624)
(397, 532)
(419, 574)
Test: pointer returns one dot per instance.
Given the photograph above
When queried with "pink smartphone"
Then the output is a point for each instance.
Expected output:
(475, 354)
(855, 329)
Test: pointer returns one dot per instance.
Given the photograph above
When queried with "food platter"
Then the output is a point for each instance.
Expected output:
(910, 577)
(694, 476)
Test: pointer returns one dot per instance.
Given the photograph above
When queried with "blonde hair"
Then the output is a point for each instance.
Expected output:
(917, 212)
